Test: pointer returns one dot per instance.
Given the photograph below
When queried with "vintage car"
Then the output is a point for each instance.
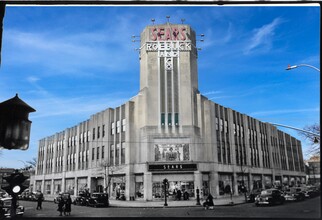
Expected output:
(295, 192)
(81, 199)
(269, 197)
(5, 203)
(98, 200)
(252, 195)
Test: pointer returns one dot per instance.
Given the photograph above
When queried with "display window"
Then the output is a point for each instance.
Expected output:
(176, 190)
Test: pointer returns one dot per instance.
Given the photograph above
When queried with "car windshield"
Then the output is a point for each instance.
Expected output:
(266, 192)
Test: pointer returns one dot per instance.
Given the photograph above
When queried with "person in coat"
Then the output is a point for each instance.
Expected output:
(60, 204)
(68, 206)
(40, 198)
(209, 202)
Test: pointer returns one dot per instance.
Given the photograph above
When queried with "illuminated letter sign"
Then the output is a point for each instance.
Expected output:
(168, 34)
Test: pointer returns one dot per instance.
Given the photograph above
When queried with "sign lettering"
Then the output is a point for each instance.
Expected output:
(167, 33)
(172, 167)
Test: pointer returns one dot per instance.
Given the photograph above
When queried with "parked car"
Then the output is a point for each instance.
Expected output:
(81, 198)
(269, 197)
(6, 207)
(31, 196)
(98, 200)
(296, 192)
(252, 195)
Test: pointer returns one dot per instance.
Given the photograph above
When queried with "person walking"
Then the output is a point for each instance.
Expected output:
(60, 204)
(40, 198)
(209, 202)
(68, 206)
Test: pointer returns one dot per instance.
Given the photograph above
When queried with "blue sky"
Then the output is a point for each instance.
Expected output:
(69, 62)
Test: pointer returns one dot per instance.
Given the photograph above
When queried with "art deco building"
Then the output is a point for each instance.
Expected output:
(168, 130)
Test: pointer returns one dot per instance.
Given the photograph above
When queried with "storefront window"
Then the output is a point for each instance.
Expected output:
(171, 152)
(139, 190)
(177, 190)
(225, 184)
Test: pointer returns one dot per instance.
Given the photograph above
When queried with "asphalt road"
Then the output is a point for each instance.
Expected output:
(308, 209)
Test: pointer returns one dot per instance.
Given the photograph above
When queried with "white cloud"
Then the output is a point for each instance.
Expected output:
(262, 36)
(283, 111)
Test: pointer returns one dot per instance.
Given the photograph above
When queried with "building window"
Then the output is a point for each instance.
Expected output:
(93, 133)
(169, 119)
(176, 119)
(98, 153)
(112, 154)
(98, 132)
(162, 119)
(118, 128)
(217, 124)
(103, 131)
(103, 152)
(123, 125)
(221, 125)
(117, 154)
(122, 153)
(93, 154)
(113, 128)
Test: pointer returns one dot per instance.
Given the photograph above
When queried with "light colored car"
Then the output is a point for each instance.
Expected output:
(6, 206)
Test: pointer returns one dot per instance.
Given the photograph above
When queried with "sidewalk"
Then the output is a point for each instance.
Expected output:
(223, 201)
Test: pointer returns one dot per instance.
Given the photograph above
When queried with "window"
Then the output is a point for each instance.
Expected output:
(162, 119)
(93, 153)
(118, 129)
(176, 119)
(217, 124)
(98, 153)
(221, 125)
(103, 131)
(123, 125)
(103, 152)
(93, 133)
(112, 154)
(169, 119)
(113, 128)
(117, 154)
(98, 131)
(122, 153)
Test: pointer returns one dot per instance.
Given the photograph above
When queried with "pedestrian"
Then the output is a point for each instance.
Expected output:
(209, 202)
(179, 194)
(40, 198)
(60, 204)
(68, 206)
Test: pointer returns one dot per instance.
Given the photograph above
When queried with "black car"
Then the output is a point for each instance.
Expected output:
(269, 197)
(81, 199)
(98, 200)
(296, 192)
(252, 195)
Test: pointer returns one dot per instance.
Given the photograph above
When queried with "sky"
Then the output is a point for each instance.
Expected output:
(70, 62)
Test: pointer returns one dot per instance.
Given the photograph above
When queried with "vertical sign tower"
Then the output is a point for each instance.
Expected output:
(168, 73)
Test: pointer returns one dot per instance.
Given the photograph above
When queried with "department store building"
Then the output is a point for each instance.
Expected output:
(168, 130)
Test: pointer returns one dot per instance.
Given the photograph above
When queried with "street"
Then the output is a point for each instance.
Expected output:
(309, 208)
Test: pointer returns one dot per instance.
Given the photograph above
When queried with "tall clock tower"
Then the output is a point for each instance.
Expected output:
(168, 74)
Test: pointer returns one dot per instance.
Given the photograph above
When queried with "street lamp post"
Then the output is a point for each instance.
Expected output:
(165, 183)
(289, 67)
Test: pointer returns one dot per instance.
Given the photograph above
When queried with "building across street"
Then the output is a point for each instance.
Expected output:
(169, 130)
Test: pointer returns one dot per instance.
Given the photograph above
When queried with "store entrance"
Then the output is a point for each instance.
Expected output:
(177, 190)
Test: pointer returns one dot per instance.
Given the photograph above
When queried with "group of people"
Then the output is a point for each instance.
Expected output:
(64, 205)
(178, 194)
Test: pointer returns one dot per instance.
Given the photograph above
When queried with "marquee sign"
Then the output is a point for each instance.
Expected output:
(168, 41)
(172, 167)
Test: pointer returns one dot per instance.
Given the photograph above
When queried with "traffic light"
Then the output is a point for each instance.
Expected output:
(15, 183)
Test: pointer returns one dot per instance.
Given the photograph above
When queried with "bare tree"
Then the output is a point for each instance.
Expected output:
(313, 139)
